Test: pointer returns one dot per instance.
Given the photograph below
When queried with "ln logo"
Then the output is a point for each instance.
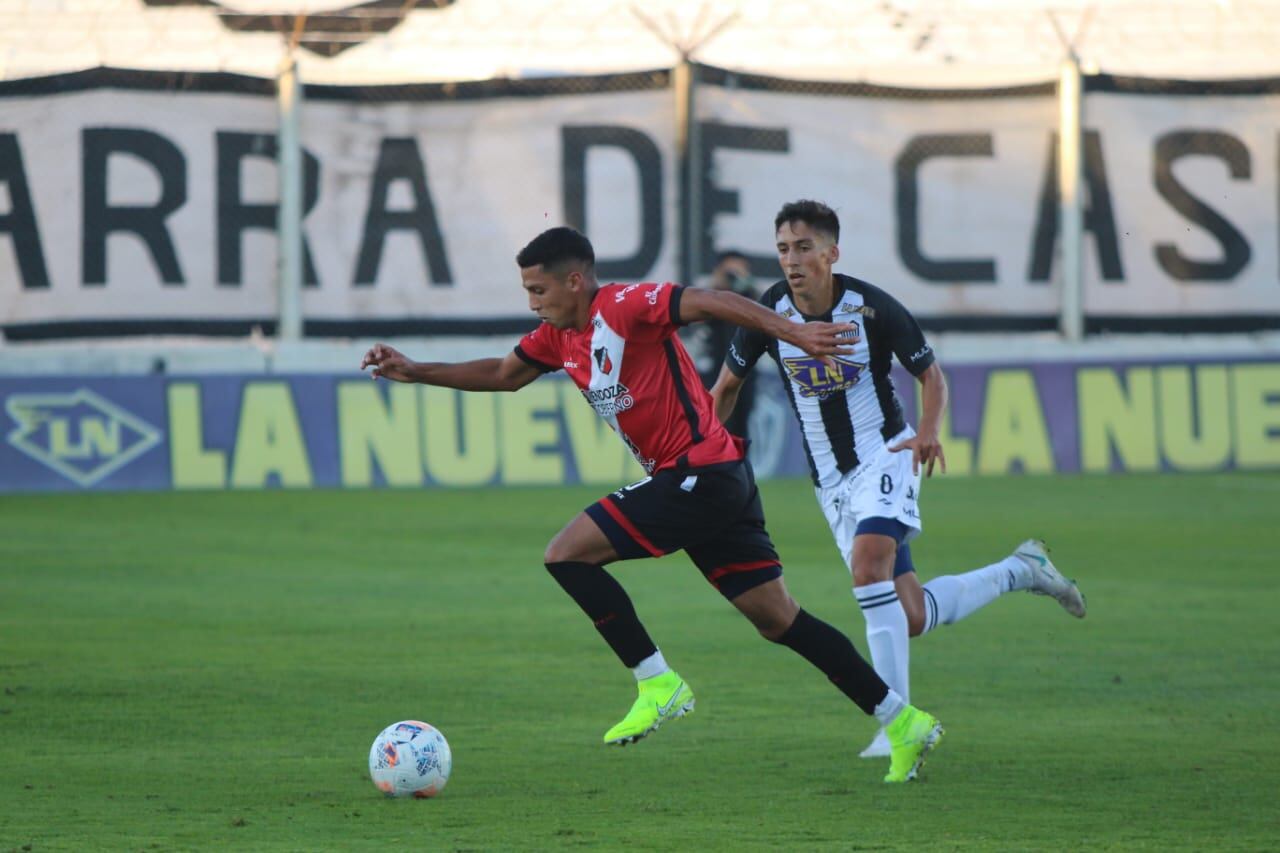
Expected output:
(80, 435)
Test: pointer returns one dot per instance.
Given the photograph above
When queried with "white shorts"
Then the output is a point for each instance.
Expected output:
(881, 487)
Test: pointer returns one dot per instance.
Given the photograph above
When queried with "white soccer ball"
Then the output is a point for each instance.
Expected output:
(410, 759)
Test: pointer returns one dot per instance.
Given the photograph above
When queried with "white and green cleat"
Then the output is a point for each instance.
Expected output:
(1047, 580)
(912, 735)
(663, 697)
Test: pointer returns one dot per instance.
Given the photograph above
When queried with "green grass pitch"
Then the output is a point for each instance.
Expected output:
(207, 671)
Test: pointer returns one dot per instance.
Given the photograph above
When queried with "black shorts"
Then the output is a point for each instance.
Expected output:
(713, 514)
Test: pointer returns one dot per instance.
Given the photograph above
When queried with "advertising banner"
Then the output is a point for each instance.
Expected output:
(344, 431)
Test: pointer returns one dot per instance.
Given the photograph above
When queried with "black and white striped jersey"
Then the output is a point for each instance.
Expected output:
(850, 410)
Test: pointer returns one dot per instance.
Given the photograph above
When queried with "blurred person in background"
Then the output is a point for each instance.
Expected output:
(709, 342)
(856, 438)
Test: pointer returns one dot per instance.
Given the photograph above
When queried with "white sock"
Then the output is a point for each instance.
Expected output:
(950, 598)
(653, 665)
(886, 634)
(890, 706)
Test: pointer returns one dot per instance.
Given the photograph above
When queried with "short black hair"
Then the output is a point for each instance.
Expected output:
(728, 255)
(815, 214)
(556, 246)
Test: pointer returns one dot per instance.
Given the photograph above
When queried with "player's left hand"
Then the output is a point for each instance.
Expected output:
(926, 449)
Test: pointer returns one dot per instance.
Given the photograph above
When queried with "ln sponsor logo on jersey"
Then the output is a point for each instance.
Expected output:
(81, 435)
(817, 379)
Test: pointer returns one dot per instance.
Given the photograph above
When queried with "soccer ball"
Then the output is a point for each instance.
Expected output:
(410, 759)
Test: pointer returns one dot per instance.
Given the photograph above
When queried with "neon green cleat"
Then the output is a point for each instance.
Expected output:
(911, 735)
(663, 697)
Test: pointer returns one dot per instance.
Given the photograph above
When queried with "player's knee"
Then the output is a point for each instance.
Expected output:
(772, 629)
(873, 559)
(769, 608)
(872, 570)
(773, 622)
(557, 552)
(915, 623)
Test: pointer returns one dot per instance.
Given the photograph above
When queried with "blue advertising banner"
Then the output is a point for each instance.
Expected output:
(159, 432)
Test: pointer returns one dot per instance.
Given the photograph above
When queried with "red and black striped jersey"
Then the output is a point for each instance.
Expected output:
(633, 370)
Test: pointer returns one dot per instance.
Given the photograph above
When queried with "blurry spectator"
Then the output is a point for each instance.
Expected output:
(709, 342)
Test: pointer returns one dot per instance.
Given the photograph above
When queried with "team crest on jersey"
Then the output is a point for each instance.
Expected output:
(818, 379)
(601, 355)
(789, 313)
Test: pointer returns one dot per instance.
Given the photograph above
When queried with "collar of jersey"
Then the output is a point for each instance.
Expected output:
(590, 308)
(837, 291)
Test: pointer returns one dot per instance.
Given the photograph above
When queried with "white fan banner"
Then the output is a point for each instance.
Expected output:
(120, 206)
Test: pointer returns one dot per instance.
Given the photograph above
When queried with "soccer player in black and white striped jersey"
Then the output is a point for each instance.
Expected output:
(857, 441)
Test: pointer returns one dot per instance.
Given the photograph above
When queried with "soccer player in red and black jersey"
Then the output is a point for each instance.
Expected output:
(618, 345)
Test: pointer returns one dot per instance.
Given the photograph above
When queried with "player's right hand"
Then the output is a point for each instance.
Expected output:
(822, 340)
(387, 362)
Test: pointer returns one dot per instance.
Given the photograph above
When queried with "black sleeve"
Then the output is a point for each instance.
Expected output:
(904, 335)
(745, 350)
(673, 306)
(533, 362)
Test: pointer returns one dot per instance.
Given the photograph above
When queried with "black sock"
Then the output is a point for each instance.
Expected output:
(833, 653)
(607, 603)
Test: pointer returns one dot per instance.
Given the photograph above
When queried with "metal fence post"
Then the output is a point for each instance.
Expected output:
(289, 213)
(1070, 211)
(689, 179)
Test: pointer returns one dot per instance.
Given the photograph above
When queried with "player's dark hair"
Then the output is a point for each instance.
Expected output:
(815, 214)
(555, 247)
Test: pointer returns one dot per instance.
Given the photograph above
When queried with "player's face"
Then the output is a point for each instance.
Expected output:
(806, 257)
(553, 297)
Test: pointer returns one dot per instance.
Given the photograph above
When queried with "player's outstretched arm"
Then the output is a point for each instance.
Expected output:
(725, 393)
(485, 374)
(817, 339)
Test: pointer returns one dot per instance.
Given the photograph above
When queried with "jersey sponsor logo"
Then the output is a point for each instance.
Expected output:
(82, 436)
(651, 294)
(737, 356)
(647, 464)
(608, 402)
(818, 379)
(920, 353)
(622, 294)
(601, 355)
(571, 365)
(849, 308)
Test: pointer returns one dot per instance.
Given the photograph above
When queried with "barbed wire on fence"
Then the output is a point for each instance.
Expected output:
(945, 42)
